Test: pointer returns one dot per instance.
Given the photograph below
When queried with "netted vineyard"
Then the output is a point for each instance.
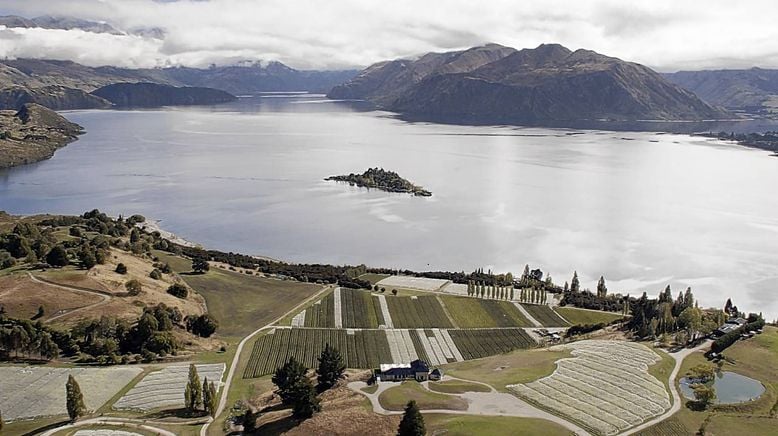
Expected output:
(545, 315)
(360, 348)
(477, 343)
(417, 312)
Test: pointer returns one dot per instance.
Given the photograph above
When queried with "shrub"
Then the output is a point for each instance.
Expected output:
(155, 274)
(121, 268)
(178, 290)
(580, 329)
(204, 325)
(133, 287)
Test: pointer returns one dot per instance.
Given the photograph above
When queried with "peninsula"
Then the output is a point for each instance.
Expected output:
(379, 178)
(33, 134)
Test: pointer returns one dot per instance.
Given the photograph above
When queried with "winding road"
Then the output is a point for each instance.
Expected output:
(106, 297)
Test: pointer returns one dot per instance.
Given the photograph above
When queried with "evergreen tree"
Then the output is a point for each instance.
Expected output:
(74, 399)
(200, 265)
(331, 368)
(193, 393)
(305, 402)
(566, 289)
(412, 423)
(47, 348)
(728, 306)
(688, 298)
(575, 285)
(511, 292)
(287, 377)
(209, 397)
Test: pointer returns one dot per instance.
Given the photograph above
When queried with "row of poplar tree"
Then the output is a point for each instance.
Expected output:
(526, 295)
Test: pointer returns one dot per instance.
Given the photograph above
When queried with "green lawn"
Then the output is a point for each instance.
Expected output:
(240, 302)
(397, 397)
(457, 387)
(475, 312)
(583, 316)
(521, 366)
(662, 369)
(467, 425)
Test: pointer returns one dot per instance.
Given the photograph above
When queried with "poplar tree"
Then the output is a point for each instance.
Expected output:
(602, 290)
(511, 292)
(412, 423)
(575, 285)
(74, 399)
(209, 397)
(193, 394)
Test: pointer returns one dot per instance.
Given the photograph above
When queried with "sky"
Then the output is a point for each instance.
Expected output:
(336, 34)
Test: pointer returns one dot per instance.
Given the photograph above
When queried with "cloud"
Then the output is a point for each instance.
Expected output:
(664, 34)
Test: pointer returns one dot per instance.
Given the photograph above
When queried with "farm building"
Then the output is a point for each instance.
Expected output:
(417, 370)
(732, 324)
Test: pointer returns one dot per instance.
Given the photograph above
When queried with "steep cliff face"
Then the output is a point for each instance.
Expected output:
(53, 97)
(548, 83)
(33, 133)
(154, 95)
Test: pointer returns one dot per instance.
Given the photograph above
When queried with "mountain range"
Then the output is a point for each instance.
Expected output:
(498, 84)
(66, 84)
(754, 89)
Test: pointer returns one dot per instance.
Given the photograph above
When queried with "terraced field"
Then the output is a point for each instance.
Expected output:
(33, 391)
(545, 315)
(165, 388)
(370, 348)
(475, 312)
(606, 388)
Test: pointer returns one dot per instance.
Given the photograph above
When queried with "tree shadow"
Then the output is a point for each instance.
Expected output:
(278, 426)
(181, 413)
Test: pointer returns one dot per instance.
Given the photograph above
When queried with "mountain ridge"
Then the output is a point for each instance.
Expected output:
(547, 83)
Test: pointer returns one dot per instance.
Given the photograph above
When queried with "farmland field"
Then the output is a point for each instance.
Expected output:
(27, 392)
(476, 312)
(606, 388)
(165, 388)
(477, 343)
(370, 348)
(545, 315)
(359, 348)
(584, 316)
(423, 311)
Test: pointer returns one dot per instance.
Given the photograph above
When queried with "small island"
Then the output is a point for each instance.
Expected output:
(379, 178)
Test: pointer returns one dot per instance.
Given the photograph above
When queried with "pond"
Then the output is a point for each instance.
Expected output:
(730, 388)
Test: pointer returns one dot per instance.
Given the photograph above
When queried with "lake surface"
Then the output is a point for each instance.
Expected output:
(643, 209)
(730, 388)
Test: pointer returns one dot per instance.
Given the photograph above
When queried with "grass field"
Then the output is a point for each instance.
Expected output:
(583, 316)
(241, 303)
(457, 387)
(467, 425)
(476, 312)
(520, 366)
(545, 315)
(397, 397)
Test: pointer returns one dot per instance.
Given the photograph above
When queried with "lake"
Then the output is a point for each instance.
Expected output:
(643, 209)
